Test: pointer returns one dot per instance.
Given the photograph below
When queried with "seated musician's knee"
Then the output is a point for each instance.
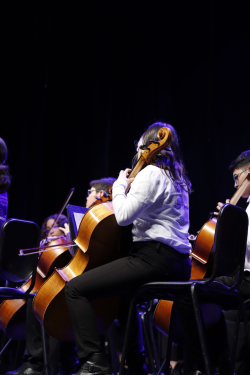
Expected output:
(70, 289)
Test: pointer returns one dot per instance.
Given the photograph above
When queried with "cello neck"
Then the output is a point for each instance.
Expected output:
(150, 151)
(240, 191)
(139, 165)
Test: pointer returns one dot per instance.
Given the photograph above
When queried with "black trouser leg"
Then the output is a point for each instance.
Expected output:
(150, 262)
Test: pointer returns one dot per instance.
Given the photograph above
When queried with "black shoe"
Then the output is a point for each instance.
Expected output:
(97, 364)
(24, 369)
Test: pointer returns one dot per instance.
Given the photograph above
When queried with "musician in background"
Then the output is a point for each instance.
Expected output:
(63, 360)
(63, 355)
(157, 205)
(98, 189)
(217, 340)
(4, 182)
(241, 168)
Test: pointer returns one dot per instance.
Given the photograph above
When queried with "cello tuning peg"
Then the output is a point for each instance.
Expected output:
(153, 141)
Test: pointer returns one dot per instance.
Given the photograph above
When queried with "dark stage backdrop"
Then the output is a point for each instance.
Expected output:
(81, 80)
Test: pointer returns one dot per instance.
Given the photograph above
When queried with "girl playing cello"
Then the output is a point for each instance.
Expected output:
(157, 205)
(63, 359)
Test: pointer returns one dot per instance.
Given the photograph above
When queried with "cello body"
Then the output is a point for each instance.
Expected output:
(96, 246)
(202, 255)
(13, 312)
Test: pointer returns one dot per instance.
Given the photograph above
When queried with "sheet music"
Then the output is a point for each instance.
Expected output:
(78, 218)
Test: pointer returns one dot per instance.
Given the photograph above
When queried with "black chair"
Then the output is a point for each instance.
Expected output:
(229, 256)
(15, 235)
(145, 311)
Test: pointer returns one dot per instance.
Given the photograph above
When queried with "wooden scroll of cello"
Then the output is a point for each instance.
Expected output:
(98, 242)
(13, 312)
(202, 257)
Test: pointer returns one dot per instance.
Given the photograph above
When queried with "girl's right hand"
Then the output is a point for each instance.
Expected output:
(123, 175)
(65, 230)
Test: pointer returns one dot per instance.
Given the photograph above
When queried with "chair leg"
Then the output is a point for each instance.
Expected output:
(148, 349)
(131, 313)
(159, 346)
(200, 331)
(167, 359)
(112, 351)
(152, 338)
(170, 342)
(235, 341)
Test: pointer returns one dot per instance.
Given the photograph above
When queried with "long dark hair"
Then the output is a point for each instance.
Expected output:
(4, 169)
(169, 159)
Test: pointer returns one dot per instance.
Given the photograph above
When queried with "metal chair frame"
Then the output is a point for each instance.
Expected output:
(203, 290)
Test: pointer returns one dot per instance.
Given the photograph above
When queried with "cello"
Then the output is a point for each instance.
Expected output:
(202, 257)
(13, 312)
(98, 241)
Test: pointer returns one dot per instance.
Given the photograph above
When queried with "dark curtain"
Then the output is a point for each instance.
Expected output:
(82, 80)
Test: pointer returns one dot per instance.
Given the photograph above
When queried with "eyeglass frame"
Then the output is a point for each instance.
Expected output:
(90, 191)
(48, 229)
(235, 177)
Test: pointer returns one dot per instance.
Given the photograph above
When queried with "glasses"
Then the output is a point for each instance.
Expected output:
(235, 177)
(91, 190)
(48, 229)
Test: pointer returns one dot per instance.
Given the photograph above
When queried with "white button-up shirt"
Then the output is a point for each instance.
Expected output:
(157, 207)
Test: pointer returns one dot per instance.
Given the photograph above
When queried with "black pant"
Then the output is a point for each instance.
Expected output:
(148, 261)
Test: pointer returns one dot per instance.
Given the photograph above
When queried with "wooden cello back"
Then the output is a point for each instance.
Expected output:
(96, 247)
